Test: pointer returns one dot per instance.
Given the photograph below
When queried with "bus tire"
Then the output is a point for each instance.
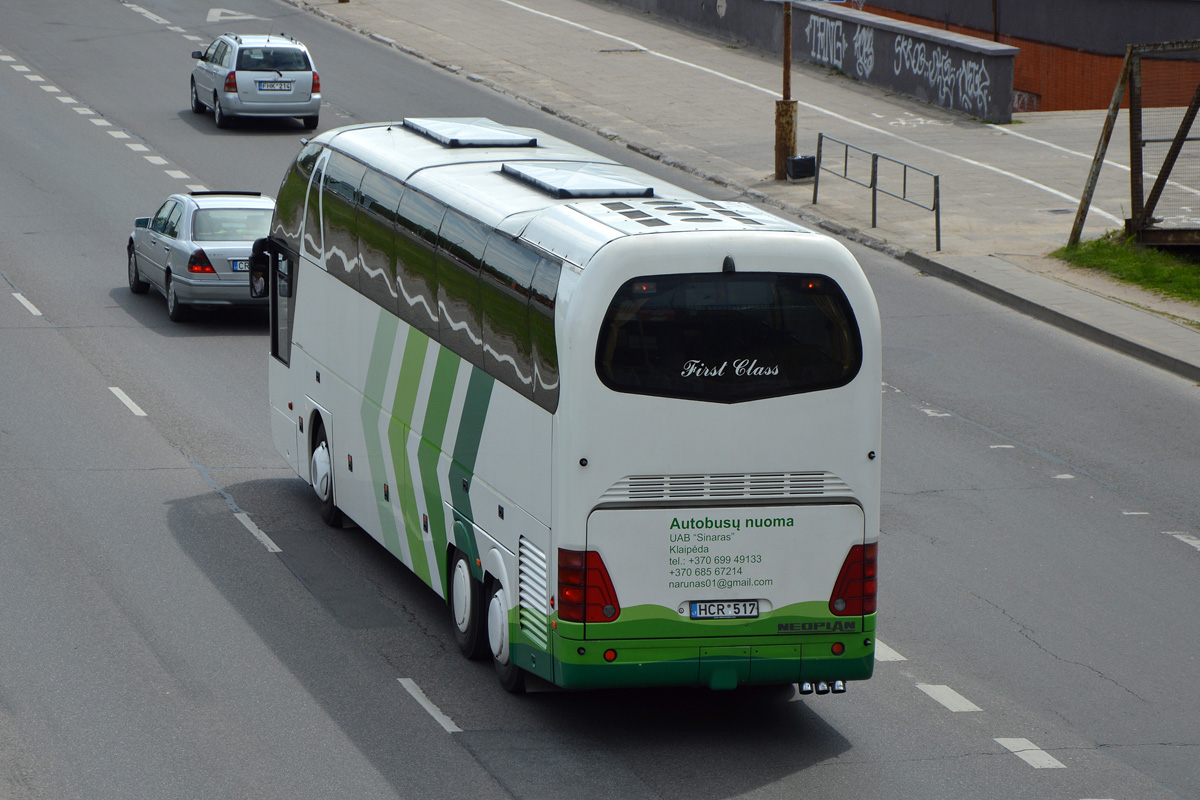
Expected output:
(321, 470)
(511, 677)
(466, 608)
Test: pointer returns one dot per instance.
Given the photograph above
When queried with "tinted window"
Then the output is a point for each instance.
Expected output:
(459, 258)
(543, 350)
(504, 297)
(289, 207)
(378, 197)
(728, 338)
(338, 209)
(171, 228)
(419, 218)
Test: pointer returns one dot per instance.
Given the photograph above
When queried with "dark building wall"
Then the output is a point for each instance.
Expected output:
(1103, 27)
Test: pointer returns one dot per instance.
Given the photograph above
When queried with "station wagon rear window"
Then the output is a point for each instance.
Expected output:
(728, 338)
(284, 59)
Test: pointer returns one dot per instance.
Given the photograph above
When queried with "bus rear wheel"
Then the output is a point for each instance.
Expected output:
(321, 470)
(466, 608)
(511, 677)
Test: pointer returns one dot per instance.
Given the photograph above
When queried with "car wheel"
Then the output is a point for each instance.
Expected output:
(136, 284)
(322, 479)
(197, 106)
(176, 310)
(219, 116)
(511, 677)
(311, 122)
(466, 607)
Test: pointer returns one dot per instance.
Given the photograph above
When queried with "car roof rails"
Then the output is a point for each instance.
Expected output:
(211, 191)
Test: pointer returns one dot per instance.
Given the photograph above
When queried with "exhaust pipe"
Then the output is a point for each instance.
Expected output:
(805, 687)
(822, 687)
(839, 687)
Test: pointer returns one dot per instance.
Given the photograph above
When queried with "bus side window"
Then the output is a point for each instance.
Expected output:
(504, 285)
(418, 218)
(339, 210)
(378, 198)
(543, 349)
(289, 206)
(459, 258)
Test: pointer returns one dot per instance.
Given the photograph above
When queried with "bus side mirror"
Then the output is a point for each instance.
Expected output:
(260, 265)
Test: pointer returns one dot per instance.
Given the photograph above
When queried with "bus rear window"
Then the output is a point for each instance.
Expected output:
(728, 338)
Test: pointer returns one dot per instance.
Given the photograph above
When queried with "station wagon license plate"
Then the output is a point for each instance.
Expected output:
(274, 86)
(724, 609)
(241, 265)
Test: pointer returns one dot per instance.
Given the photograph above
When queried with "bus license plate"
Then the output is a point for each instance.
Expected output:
(240, 266)
(724, 609)
(274, 86)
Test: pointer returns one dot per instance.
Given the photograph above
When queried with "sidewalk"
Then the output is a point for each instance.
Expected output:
(706, 106)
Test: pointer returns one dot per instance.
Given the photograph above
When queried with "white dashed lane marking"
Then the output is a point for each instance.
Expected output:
(948, 697)
(1031, 754)
(885, 653)
(124, 398)
(30, 307)
(411, 687)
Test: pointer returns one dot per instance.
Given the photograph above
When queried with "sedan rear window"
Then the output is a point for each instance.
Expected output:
(230, 224)
(283, 59)
(728, 338)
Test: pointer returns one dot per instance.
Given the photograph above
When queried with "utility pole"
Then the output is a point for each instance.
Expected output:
(785, 109)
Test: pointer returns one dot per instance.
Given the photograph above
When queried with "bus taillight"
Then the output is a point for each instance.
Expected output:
(585, 590)
(855, 589)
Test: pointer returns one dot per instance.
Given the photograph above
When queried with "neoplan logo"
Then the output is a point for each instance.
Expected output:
(840, 626)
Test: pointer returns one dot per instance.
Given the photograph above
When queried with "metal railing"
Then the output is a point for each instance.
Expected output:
(873, 183)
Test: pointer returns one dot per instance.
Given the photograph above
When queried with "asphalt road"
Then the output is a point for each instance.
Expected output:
(151, 646)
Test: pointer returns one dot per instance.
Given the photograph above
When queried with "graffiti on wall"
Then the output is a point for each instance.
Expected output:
(828, 45)
(964, 85)
(952, 77)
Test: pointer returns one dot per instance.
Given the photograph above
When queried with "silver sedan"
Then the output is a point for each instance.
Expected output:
(196, 249)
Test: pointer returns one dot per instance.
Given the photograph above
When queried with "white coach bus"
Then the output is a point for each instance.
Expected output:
(629, 434)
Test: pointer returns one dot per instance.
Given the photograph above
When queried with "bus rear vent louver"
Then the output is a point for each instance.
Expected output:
(477, 132)
(751, 486)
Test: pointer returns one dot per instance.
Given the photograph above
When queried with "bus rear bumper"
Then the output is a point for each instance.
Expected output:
(718, 665)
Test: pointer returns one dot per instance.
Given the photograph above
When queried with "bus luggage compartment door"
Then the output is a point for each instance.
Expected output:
(736, 571)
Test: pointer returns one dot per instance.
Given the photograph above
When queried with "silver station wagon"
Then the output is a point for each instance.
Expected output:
(196, 249)
(256, 76)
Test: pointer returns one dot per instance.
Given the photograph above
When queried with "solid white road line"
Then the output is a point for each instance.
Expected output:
(244, 518)
(411, 686)
(948, 697)
(124, 398)
(1031, 754)
(28, 305)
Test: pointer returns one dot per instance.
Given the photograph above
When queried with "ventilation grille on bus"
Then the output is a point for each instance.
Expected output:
(477, 132)
(533, 592)
(689, 214)
(751, 486)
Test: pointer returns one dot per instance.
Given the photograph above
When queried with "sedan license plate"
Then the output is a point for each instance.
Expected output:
(274, 86)
(724, 609)
(241, 265)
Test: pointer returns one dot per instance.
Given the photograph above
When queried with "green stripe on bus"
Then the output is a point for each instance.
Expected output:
(412, 365)
(371, 413)
(470, 432)
(441, 393)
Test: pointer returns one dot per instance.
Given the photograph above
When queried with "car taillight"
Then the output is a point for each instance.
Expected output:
(585, 590)
(231, 82)
(855, 590)
(198, 262)
(316, 83)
